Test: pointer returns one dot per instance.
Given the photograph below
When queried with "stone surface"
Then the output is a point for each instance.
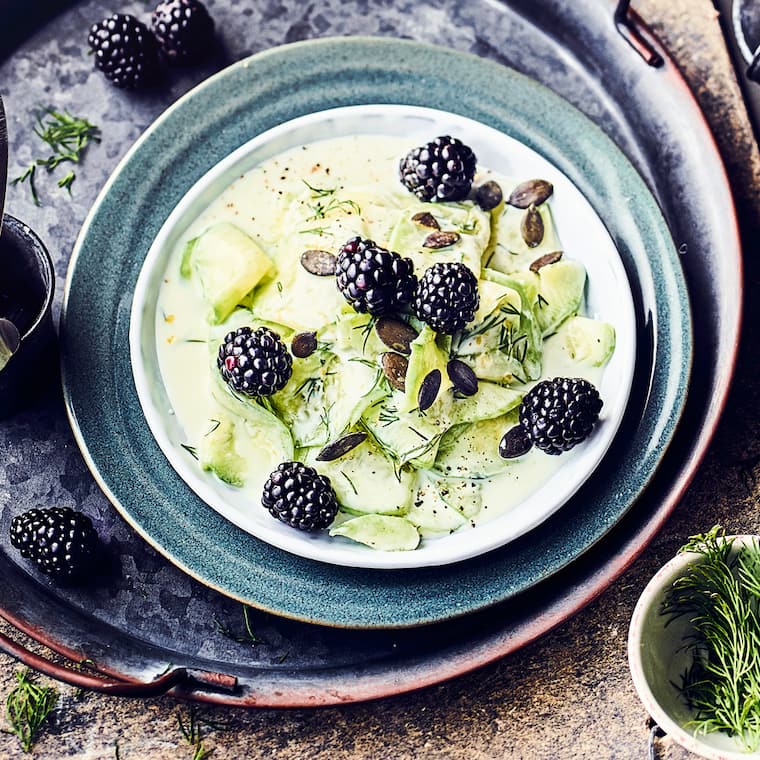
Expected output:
(567, 695)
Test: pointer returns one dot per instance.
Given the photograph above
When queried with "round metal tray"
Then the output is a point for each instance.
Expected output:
(145, 626)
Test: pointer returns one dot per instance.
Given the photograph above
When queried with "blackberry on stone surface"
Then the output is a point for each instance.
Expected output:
(254, 362)
(60, 541)
(446, 297)
(560, 413)
(125, 51)
(184, 30)
(441, 170)
(372, 279)
(299, 496)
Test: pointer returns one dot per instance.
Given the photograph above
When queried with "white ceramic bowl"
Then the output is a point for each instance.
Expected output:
(584, 236)
(657, 659)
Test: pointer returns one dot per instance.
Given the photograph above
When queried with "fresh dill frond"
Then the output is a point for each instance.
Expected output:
(67, 137)
(28, 706)
(720, 596)
(192, 734)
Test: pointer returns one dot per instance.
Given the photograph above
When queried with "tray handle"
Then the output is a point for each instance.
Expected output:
(179, 678)
(631, 28)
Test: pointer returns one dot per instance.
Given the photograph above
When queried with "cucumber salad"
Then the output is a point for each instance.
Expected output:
(384, 342)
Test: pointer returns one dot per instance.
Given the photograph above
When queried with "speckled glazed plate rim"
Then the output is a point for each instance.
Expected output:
(258, 93)
(584, 239)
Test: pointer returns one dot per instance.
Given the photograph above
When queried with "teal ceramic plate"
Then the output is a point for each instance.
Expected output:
(199, 131)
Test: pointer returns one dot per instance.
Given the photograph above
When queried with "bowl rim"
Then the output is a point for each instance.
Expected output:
(24, 235)
(651, 594)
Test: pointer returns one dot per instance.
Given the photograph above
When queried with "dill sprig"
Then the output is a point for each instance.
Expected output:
(720, 595)
(192, 733)
(67, 136)
(28, 706)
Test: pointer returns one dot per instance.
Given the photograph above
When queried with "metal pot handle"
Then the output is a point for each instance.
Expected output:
(179, 678)
(630, 26)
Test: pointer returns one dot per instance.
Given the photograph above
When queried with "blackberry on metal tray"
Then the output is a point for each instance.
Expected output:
(441, 170)
(300, 497)
(254, 362)
(372, 279)
(558, 414)
(61, 542)
(446, 297)
(184, 30)
(125, 51)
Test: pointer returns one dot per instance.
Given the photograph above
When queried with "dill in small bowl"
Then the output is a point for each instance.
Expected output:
(694, 646)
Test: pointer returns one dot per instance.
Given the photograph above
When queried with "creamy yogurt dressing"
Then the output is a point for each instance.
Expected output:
(254, 202)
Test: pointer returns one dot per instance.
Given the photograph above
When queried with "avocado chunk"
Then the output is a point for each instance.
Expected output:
(587, 341)
(228, 264)
(381, 532)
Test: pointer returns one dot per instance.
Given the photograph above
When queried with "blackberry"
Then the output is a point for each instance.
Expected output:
(300, 497)
(441, 170)
(560, 413)
(184, 30)
(125, 51)
(373, 279)
(446, 297)
(254, 362)
(60, 541)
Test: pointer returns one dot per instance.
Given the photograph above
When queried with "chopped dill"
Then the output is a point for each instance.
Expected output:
(215, 424)
(350, 482)
(28, 706)
(314, 231)
(318, 192)
(67, 137)
(542, 301)
(320, 210)
(190, 450)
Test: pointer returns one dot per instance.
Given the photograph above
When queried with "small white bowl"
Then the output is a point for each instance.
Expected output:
(657, 660)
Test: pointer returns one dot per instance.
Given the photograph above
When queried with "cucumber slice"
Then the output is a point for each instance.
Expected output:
(588, 341)
(380, 532)
(366, 482)
(468, 221)
(472, 451)
(247, 443)
(228, 264)
(408, 437)
(560, 288)
(504, 344)
(430, 513)
(509, 252)
(462, 495)
(490, 401)
(426, 356)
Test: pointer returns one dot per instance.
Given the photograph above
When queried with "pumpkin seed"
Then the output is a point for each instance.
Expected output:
(320, 263)
(342, 446)
(514, 443)
(304, 344)
(396, 334)
(545, 260)
(464, 379)
(394, 368)
(532, 227)
(533, 192)
(489, 195)
(440, 239)
(429, 388)
(426, 219)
